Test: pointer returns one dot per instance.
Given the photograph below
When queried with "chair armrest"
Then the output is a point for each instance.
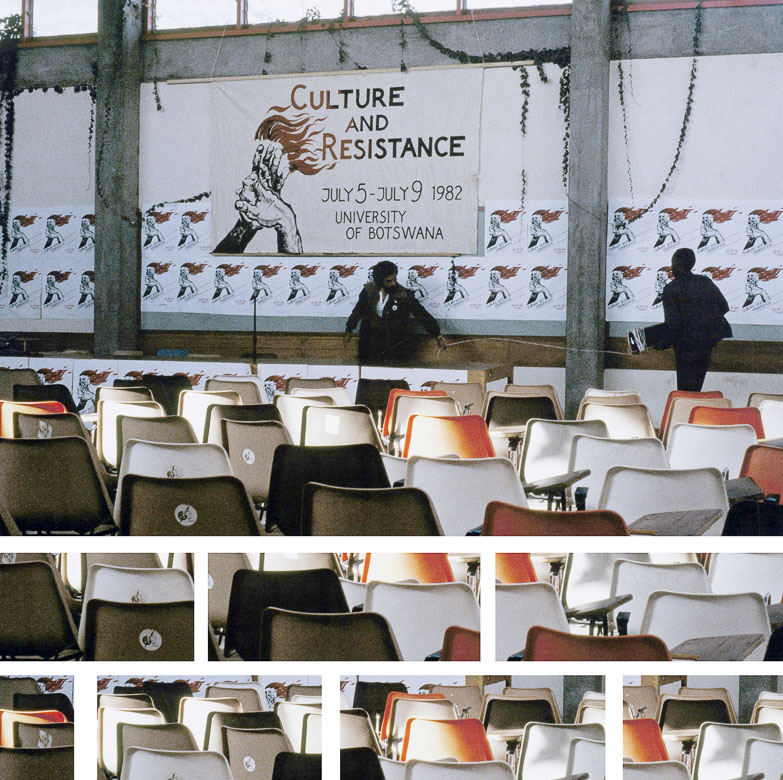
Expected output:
(597, 609)
(556, 483)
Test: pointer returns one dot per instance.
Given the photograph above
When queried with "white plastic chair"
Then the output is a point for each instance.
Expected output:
(623, 421)
(680, 411)
(292, 716)
(763, 755)
(587, 755)
(634, 492)
(461, 489)
(108, 718)
(339, 425)
(676, 617)
(656, 770)
(194, 712)
(588, 576)
(743, 572)
(420, 614)
(641, 579)
(599, 455)
(356, 730)
(416, 769)
(407, 405)
(468, 395)
(193, 406)
(312, 732)
(249, 388)
(702, 446)
(720, 750)
(291, 408)
(772, 417)
(518, 608)
(339, 395)
(395, 466)
(403, 709)
(221, 568)
(106, 432)
(768, 715)
(393, 769)
(144, 764)
(546, 748)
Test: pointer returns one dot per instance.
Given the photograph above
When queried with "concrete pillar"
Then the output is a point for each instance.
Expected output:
(574, 688)
(749, 690)
(587, 198)
(117, 245)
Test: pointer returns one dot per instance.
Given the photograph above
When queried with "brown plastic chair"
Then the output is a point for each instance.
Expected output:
(512, 568)
(535, 694)
(138, 632)
(461, 644)
(9, 408)
(643, 741)
(217, 413)
(434, 437)
(466, 698)
(338, 511)
(261, 746)
(43, 735)
(202, 506)
(159, 736)
(356, 731)
(435, 740)
(246, 387)
(302, 690)
(506, 716)
(537, 390)
(36, 763)
(468, 395)
(9, 686)
(735, 415)
(53, 392)
(501, 519)
(166, 430)
(307, 636)
(48, 426)
(125, 701)
(293, 382)
(396, 567)
(249, 698)
(221, 570)
(720, 694)
(642, 699)
(546, 644)
(685, 394)
(764, 465)
(16, 376)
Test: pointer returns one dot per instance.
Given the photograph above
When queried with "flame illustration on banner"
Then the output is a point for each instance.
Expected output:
(159, 268)
(465, 271)
(269, 270)
(548, 272)
(196, 216)
(194, 379)
(194, 268)
(24, 220)
(628, 272)
(297, 134)
(766, 217)
(507, 216)
(718, 274)
(505, 272)
(631, 215)
(306, 270)
(25, 276)
(549, 216)
(52, 684)
(59, 276)
(60, 219)
(676, 215)
(51, 375)
(96, 377)
(137, 375)
(160, 216)
(424, 271)
(766, 274)
(721, 216)
(231, 270)
(345, 271)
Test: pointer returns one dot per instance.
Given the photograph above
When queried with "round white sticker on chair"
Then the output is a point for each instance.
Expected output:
(248, 456)
(210, 582)
(186, 515)
(8, 558)
(138, 598)
(150, 640)
(44, 739)
(174, 472)
(249, 764)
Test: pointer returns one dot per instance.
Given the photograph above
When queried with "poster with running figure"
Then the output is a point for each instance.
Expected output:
(176, 229)
(347, 163)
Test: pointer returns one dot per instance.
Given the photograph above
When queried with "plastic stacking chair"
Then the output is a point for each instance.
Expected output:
(586, 756)
(130, 395)
(599, 455)
(545, 644)
(250, 389)
(360, 763)
(657, 770)
(194, 406)
(30, 702)
(9, 408)
(352, 465)
(374, 393)
(399, 567)
(634, 492)
(514, 568)
(461, 489)
(762, 756)
(217, 413)
(720, 695)
(392, 697)
(338, 394)
(420, 614)
(297, 766)
(701, 446)
(468, 395)
(546, 748)
(642, 578)
(403, 708)
(10, 719)
(195, 712)
(42, 735)
(306, 636)
(217, 721)
(36, 619)
(293, 720)
(676, 617)
(392, 393)
(37, 393)
(680, 718)
(109, 719)
(642, 700)
(435, 740)
(326, 426)
(742, 572)
(221, 570)
(608, 396)
(291, 409)
(338, 511)
(466, 698)
(372, 698)
(157, 736)
(772, 416)
(10, 377)
(442, 770)
(166, 389)
(434, 437)
(720, 749)
(592, 708)
(643, 740)
(309, 383)
(48, 426)
(405, 403)
(738, 415)
(764, 465)
(356, 731)
(294, 690)
(163, 430)
(678, 408)
(705, 394)
(623, 421)
(145, 764)
(30, 763)
(64, 500)
(507, 414)
(125, 701)
(74, 567)
(505, 718)
(106, 429)
(547, 391)
(10, 686)
(503, 519)
(248, 696)
(252, 752)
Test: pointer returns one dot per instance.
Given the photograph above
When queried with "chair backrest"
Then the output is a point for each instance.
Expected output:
(643, 740)
(763, 755)
(24, 763)
(679, 404)
(9, 377)
(544, 644)
(702, 446)
(194, 712)
(546, 747)
(252, 752)
(48, 426)
(125, 701)
(217, 721)
(203, 506)
(511, 409)
(504, 714)
(406, 405)
(396, 567)
(220, 574)
(53, 392)
(588, 575)
(587, 755)
(765, 465)
(9, 408)
(420, 614)
(466, 698)
(338, 511)
(434, 740)
(249, 697)
(468, 395)
(356, 730)
(634, 492)
(534, 694)
(123, 394)
(165, 430)
(351, 465)
(9, 719)
(461, 489)
(756, 399)
(250, 389)
(600, 454)
(108, 720)
(501, 519)
(642, 699)
(434, 437)
(720, 749)
(166, 389)
(152, 736)
(218, 414)
(441, 770)
(391, 697)
(547, 448)
(364, 763)
(675, 617)
(338, 394)
(291, 408)
(743, 572)
(309, 383)
(374, 393)
(623, 421)
(297, 766)
(145, 764)
(10, 686)
(772, 417)
(722, 694)
(518, 609)
(306, 636)
(106, 431)
(514, 568)
(404, 708)
(640, 579)
(324, 426)
(656, 770)
(392, 393)
(42, 735)
(194, 405)
(293, 719)
(737, 415)
(535, 390)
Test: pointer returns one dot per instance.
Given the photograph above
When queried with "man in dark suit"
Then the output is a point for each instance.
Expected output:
(693, 310)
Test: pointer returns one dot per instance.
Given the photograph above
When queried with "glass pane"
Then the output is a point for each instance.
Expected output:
(476, 4)
(266, 11)
(54, 17)
(174, 14)
(379, 7)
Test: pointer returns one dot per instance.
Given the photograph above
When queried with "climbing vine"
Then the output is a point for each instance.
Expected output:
(10, 35)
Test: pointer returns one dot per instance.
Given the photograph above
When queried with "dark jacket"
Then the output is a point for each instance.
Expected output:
(694, 309)
(385, 338)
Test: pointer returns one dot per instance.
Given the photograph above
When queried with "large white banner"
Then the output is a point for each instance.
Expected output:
(738, 244)
(347, 164)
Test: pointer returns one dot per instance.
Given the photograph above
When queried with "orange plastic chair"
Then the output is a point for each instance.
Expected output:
(546, 644)
(433, 740)
(399, 695)
(433, 437)
(684, 394)
(7, 408)
(394, 393)
(764, 465)
(501, 519)
(643, 741)
(461, 644)
(735, 415)
(514, 568)
(395, 567)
